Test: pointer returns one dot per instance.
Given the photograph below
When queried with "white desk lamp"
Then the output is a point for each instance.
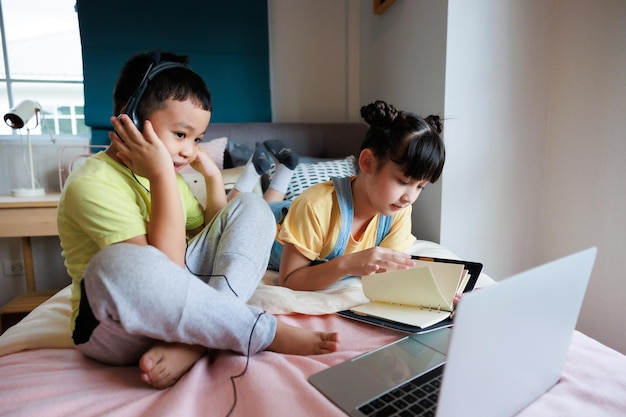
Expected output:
(16, 118)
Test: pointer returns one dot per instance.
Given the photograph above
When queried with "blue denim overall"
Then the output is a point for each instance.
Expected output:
(343, 190)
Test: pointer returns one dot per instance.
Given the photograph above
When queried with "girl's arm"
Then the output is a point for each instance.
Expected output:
(297, 273)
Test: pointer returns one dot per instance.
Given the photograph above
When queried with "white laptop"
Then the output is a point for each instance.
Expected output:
(507, 347)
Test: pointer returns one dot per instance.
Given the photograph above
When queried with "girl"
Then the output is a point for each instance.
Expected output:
(362, 225)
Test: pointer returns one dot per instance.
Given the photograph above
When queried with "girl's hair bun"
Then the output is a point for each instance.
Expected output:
(435, 123)
(379, 114)
(406, 139)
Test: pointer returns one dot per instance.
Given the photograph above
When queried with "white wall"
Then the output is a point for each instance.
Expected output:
(314, 60)
(497, 93)
(584, 197)
(535, 96)
(14, 164)
(403, 61)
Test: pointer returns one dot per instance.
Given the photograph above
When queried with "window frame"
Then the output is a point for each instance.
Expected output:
(54, 116)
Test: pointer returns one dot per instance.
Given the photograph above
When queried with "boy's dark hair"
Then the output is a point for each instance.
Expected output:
(406, 139)
(178, 83)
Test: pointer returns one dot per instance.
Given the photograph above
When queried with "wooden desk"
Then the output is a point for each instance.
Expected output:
(25, 217)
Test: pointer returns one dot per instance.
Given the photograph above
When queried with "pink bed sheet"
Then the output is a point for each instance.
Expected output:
(61, 382)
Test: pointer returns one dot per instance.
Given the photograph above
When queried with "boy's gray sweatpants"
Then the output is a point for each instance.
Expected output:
(138, 296)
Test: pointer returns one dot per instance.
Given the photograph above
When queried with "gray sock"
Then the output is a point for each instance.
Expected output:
(282, 153)
(260, 159)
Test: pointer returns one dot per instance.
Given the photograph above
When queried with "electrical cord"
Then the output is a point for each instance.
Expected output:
(137, 179)
(209, 276)
(245, 369)
(233, 377)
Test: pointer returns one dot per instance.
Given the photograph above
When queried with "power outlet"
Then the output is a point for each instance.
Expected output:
(12, 268)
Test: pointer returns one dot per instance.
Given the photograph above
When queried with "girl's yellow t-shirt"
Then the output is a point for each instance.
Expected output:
(313, 222)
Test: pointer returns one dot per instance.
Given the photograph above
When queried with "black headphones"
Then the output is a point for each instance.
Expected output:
(156, 67)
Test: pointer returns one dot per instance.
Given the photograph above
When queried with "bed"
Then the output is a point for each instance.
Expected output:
(42, 375)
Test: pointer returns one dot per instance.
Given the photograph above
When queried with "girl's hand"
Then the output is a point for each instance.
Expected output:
(297, 273)
(457, 298)
(376, 259)
(145, 154)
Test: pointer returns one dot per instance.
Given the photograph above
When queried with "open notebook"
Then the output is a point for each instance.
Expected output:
(418, 299)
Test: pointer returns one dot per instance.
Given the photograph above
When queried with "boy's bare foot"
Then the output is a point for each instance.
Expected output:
(299, 341)
(165, 363)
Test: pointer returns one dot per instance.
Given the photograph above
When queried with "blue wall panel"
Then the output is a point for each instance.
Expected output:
(227, 42)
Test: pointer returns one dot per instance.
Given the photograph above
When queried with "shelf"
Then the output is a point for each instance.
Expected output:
(20, 306)
(25, 217)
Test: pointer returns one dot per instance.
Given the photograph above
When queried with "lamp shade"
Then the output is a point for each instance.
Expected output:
(19, 115)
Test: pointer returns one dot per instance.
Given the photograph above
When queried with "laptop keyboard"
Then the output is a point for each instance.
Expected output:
(417, 397)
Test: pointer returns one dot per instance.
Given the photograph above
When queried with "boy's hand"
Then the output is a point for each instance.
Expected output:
(145, 154)
(377, 259)
(204, 164)
(214, 182)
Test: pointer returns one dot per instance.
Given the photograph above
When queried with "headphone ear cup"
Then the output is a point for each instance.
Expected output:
(131, 110)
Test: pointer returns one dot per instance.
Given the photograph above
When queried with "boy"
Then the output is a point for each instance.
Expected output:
(157, 280)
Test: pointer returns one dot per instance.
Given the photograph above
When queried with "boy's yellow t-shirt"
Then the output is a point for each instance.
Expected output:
(102, 203)
(313, 222)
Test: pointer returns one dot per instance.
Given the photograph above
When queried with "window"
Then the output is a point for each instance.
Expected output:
(41, 60)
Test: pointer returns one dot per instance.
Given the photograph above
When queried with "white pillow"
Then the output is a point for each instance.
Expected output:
(195, 180)
(215, 148)
(308, 174)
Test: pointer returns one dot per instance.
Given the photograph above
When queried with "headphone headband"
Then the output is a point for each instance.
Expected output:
(153, 70)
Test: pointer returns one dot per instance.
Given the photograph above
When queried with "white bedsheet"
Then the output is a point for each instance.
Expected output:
(48, 325)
